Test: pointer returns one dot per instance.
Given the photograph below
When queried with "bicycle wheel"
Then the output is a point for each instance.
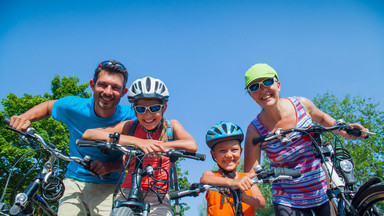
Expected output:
(370, 202)
(123, 210)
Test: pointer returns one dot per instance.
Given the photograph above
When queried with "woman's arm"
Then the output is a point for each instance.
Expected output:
(182, 139)
(251, 152)
(326, 120)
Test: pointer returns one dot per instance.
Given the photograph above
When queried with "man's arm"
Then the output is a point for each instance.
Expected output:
(36, 113)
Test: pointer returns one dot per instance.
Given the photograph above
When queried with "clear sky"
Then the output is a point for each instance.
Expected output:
(200, 49)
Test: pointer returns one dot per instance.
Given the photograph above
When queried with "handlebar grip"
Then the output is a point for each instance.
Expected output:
(183, 153)
(179, 194)
(196, 155)
(288, 172)
(193, 190)
(354, 131)
(262, 138)
(86, 143)
(7, 121)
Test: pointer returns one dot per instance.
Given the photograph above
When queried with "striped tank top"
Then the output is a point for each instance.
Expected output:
(310, 189)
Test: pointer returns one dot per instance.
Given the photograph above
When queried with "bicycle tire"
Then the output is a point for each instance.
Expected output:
(366, 203)
(123, 210)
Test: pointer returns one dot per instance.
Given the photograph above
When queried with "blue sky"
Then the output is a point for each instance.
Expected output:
(200, 49)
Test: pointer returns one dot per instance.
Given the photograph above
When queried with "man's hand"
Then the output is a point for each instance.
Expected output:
(105, 167)
(19, 123)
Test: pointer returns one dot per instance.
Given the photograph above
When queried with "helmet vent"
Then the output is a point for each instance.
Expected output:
(232, 128)
(156, 85)
(217, 130)
(133, 89)
(139, 83)
(225, 128)
(210, 133)
(148, 84)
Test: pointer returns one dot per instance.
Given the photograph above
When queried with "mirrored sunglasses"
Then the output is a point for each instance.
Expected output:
(153, 109)
(256, 86)
(108, 63)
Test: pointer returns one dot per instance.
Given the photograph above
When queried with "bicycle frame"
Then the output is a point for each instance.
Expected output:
(135, 199)
(25, 201)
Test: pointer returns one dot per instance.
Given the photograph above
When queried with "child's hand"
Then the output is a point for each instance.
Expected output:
(151, 146)
(244, 183)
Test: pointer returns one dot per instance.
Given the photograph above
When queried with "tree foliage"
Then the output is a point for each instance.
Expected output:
(183, 183)
(367, 154)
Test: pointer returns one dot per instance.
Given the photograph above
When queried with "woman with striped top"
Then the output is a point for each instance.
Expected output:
(303, 195)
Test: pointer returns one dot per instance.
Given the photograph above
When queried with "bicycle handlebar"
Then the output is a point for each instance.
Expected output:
(132, 150)
(7, 121)
(274, 174)
(280, 133)
(192, 190)
(31, 135)
(262, 176)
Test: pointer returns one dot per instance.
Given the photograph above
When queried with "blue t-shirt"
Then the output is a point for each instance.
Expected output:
(78, 115)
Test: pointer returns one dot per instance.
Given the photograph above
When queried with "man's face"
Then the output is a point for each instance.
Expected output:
(108, 91)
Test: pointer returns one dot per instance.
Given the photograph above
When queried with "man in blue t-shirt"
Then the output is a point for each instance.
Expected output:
(86, 194)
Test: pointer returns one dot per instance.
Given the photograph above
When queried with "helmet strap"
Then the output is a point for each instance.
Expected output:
(149, 132)
(225, 173)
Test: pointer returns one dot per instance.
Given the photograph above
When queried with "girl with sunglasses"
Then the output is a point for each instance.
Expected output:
(149, 97)
(303, 195)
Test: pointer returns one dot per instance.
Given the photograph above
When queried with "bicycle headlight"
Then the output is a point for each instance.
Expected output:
(346, 165)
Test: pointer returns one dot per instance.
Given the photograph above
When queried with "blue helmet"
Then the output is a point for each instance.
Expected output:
(223, 131)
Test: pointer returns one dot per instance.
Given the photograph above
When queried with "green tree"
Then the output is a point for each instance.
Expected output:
(12, 148)
(367, 154)
(183, 183)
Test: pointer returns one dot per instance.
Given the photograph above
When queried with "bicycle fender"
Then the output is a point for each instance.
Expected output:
(365, 186)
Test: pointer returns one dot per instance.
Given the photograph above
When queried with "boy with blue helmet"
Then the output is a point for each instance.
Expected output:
(224, 139)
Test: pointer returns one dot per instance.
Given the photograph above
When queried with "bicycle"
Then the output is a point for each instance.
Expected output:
(338, 166)
(262, 176)
(46, 181)
(134, 204)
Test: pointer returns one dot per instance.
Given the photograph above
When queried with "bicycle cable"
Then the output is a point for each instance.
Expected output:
(10, 174)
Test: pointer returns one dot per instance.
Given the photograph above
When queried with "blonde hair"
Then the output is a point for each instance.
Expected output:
(163, 135)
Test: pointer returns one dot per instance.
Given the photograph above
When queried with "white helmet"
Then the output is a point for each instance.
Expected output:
(148, 87)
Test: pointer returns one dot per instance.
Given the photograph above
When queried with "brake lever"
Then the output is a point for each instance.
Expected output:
(86, 163)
